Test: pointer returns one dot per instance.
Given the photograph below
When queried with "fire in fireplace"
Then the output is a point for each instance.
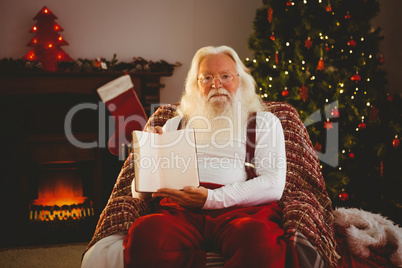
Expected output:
(60, 193)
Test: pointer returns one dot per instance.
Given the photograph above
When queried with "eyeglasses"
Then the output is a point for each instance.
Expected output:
(208, 80)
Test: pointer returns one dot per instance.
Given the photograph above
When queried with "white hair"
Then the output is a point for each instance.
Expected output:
(250, 101)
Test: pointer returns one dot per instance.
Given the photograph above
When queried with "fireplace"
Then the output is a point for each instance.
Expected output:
(64, 199)
(61, 208)
(52, 190)
(60, 195)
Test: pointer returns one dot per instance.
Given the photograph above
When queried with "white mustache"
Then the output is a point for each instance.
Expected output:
(218, 91)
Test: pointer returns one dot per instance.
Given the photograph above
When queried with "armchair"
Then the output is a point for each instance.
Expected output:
(308, 216)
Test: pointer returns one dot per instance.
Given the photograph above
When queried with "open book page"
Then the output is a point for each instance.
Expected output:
(146, 172)
(165, 160)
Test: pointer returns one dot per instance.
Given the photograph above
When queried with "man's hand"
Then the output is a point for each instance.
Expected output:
(155, 129)
(190, 197)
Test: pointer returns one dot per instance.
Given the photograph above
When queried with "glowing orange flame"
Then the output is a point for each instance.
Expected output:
(60, 187)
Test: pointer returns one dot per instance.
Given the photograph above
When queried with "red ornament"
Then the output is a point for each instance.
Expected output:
(285, 92)
(270, 13)
(99, 63)
(276, 57)
(272, 36)
(328, 125)
(326, 47)
(347, 16)
(96, 63)
(351, 42)
(356, 77)
(351, 155)
(308, 43)
(396, 142)
(290, 3)
(303, 93)
(362, 125)
(328, 8)
(343, 196)
(318, 147)
(335, 113)
(47, 42)
(320, 65)
(390, 98)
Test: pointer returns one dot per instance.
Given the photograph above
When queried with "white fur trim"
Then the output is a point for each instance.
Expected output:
(115, 87)
(365, 229)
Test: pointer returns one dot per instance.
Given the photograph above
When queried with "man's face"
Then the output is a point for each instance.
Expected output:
(217, 65)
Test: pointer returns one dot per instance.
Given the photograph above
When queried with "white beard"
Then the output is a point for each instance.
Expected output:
(219, 119)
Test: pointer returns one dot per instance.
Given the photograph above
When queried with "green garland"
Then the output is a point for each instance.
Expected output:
(85, 65)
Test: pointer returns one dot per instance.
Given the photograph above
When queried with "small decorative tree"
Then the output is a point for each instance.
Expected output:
(47, 42)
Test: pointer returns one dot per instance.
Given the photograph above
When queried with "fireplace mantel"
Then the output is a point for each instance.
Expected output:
(146, 84)
(17, 83)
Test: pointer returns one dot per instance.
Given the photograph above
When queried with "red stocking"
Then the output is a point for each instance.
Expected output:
(128, 113)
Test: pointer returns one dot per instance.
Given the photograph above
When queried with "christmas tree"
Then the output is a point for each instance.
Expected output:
(47, 42)
(323, 57)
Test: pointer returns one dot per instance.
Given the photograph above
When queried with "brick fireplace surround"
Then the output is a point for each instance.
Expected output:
(33, 107)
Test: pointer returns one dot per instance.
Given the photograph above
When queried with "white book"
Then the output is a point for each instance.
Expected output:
(167, 160)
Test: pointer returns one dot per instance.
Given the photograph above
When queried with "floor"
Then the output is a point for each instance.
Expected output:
(59, 256)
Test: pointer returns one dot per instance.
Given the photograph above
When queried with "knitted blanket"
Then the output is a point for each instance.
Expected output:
(305, 201)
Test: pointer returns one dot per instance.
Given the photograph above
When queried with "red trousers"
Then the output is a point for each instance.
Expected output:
(246, 237)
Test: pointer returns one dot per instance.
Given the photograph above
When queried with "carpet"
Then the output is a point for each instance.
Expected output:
(54, 256)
